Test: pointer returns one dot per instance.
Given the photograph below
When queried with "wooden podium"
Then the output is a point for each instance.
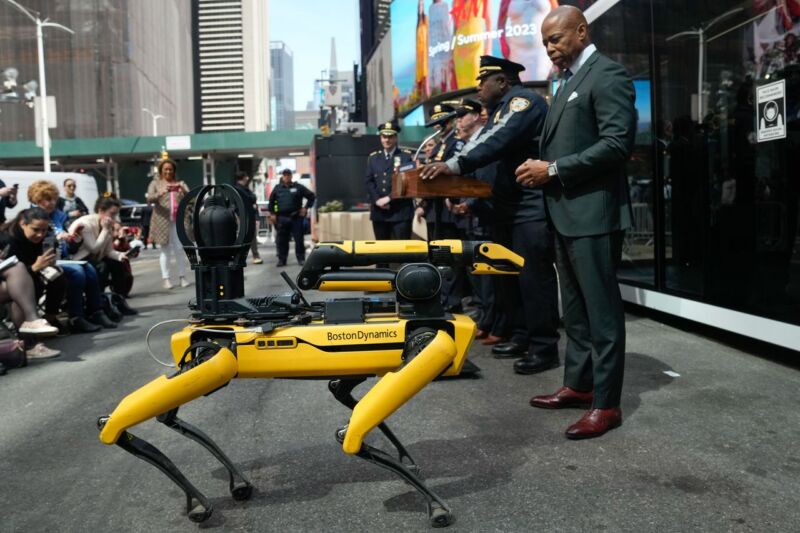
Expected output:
(408, 184)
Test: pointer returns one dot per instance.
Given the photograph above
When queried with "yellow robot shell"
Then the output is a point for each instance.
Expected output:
(164, 394)
(317, 350)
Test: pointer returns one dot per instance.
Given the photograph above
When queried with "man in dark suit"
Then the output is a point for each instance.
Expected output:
(516, 117)
(391, 218)
(587, 139)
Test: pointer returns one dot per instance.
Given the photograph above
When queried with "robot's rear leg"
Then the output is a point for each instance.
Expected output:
(198, 508)
(342, 390)
(240, 487)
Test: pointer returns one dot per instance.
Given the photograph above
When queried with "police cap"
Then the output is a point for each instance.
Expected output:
(468, 106)
(441, 113)
(493, 65)
(389, 128)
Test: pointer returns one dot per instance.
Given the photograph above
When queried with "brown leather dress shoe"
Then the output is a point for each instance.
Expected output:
(491, 340)
(594, 423)
(563, 398)
(481, 334)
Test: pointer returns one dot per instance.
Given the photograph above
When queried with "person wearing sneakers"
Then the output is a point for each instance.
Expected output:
(165, 192)
(250, 203)
(97, 247)
(81, 282)
(17, 287)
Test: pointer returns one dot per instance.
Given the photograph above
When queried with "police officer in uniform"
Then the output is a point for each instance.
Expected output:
(391, 218)
(516, 117)
(442, 223)
(287, 213)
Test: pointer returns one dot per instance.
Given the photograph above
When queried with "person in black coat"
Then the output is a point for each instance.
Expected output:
(8, 198)
(391, 218)
(250, 203)
(287, 213)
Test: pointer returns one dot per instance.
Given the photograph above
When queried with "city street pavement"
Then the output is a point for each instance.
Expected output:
(711, 446)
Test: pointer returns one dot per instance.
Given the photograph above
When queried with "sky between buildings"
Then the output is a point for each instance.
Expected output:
(307, 26)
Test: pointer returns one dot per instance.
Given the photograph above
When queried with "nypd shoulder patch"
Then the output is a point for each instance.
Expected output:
(518, 104)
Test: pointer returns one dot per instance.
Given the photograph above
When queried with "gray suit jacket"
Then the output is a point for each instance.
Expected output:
(589, 132)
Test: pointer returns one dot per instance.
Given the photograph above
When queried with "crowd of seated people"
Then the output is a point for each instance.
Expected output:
(67, 270)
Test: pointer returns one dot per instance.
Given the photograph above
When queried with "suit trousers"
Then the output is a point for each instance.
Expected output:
(290, 227)
(385, 231)
(530, 300)
(594, 317)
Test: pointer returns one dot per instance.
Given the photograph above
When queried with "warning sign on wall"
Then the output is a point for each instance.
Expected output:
(771, 111)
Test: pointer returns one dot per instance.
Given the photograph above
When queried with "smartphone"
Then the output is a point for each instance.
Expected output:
(16, 185)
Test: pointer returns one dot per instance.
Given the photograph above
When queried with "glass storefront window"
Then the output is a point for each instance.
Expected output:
(730, 199)
(624, 34)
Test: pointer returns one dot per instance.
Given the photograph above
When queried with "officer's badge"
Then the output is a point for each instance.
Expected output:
(396, 162)
(519, 104)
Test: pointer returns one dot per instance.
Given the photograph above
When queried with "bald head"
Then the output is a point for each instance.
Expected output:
(565, 34)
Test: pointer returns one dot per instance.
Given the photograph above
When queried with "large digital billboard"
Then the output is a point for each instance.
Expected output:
(437, 44)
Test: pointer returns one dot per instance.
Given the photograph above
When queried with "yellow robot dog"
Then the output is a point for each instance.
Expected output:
(407, 341)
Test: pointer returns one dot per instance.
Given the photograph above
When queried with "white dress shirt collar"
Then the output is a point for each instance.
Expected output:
(582, 58)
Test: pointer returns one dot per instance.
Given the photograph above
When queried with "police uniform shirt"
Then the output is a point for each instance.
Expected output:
(380, 169)
(288, 200)
(510, 137)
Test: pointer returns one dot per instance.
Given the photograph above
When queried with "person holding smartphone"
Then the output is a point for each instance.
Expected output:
(97, 247)
(165, 193)
(8, 198)
(82, 280)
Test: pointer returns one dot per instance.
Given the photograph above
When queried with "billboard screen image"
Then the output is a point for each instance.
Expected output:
(437, 44)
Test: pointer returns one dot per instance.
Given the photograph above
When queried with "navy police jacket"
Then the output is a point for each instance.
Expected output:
(449, 146)
(510, 137)
(287, 200)
(380, 169)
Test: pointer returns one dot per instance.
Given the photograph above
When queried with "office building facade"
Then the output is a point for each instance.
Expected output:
(123, 56)
(232, 65)
(282, 86)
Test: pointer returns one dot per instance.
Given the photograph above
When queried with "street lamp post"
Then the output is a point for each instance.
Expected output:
(155, 118)
(42, 82)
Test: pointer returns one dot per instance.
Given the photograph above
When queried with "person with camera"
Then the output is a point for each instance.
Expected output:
(24, 283)
(8, 198)
(97, 247)
(82, 280)
(165, 192)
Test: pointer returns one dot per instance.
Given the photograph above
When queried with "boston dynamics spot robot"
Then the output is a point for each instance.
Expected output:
(406, 341)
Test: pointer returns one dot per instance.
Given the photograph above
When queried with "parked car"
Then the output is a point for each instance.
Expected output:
(132, 213)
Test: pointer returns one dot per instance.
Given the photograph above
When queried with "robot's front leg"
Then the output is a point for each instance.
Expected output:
(342, 390)
(240, 487)
(431, 353)
(165, 395)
